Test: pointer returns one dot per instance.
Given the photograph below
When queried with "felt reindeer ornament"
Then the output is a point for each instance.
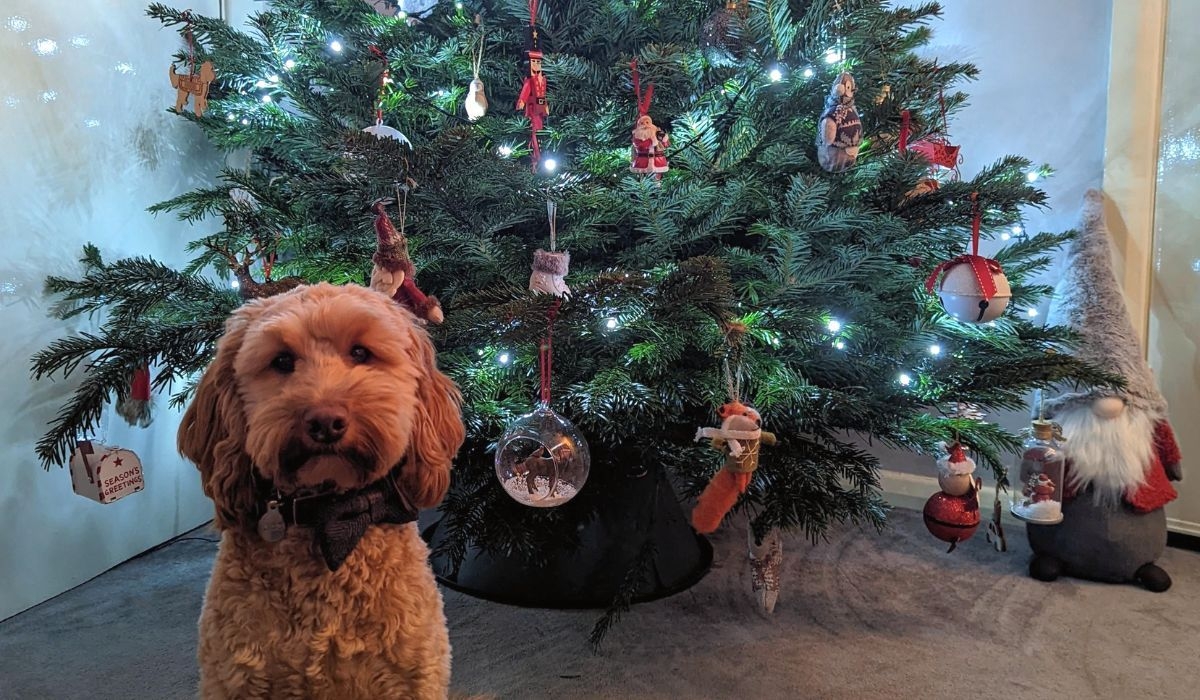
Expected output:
(393, 272)
(739, 438)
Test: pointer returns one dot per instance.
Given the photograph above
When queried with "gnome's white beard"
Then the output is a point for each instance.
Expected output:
(1110, 454)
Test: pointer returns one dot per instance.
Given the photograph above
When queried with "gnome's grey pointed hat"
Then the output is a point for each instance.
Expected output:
(1089, 301)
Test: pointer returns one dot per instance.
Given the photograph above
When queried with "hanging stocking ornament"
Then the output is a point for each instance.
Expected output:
(135, 408)
(532, 99)
(476, 103)
(380, 130)
(393, 272)
(649, 152)
(550, 267)
(542, 460)
(839, 131)
(195, 84)
(974, 288)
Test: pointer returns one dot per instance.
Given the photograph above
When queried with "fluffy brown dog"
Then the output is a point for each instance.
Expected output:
(331, 391)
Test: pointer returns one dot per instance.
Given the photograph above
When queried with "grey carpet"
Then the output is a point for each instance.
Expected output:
(861, 616)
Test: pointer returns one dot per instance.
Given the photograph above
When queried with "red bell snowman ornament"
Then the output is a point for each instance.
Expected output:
(973, 289)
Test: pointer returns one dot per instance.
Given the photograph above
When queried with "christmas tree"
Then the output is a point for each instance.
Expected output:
(766, 246)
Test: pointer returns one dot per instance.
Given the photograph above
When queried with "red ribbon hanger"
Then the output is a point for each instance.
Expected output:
(643, 102)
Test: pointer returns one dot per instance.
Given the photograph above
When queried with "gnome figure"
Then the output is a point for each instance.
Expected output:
(839, 131)
(1121, 453)
(393, 272)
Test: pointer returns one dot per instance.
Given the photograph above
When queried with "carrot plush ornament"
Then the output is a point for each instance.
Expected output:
(739, 437)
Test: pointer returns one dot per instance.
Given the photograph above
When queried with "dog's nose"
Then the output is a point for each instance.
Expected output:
(326, 425)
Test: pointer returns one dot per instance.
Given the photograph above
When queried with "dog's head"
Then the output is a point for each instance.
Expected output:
(322, 386)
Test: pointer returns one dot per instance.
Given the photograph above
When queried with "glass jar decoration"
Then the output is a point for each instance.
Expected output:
(542, 460)
(1038, 494)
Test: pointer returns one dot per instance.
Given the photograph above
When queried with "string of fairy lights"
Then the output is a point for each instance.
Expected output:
(271, 85)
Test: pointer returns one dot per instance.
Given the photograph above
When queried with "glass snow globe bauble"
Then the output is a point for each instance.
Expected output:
(963, 297)
(542, 460)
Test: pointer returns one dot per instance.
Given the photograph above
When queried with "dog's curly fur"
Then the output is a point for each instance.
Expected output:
(276, 622)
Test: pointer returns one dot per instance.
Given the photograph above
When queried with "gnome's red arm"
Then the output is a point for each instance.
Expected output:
(1168, 450)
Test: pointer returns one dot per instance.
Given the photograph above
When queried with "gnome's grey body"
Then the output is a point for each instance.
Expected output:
(1121, 453)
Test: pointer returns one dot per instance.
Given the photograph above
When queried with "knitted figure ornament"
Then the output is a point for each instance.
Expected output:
(739, 437)
(393, 272)
(1120, 451)
(839, 131)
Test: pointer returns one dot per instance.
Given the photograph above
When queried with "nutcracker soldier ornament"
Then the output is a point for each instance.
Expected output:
(532, 100)
(1120, 451)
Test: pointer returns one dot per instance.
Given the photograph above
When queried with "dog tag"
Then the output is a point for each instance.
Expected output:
(271, 526)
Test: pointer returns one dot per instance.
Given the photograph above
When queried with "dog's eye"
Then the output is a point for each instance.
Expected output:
(360, 354)
(284, 363)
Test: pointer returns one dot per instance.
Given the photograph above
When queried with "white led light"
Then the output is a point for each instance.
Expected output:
(261, 84)
(245, 122)
(935, 349)
(776, 75)
(905, 380)
(1005, 236)
(45, 47)
(505, 151)
(834, 325)
(610, 323)
(273, 78)
(808, 72)
(833, 56)
(289, 64)
(1032, 176)
(1017, 230)
(458, 6)
(1032, 312)
(551, 164)
(503, 358)
(230, 117)
(336, 46)
(839, 345)
(479, 352)
(266, 98)
(234, 284)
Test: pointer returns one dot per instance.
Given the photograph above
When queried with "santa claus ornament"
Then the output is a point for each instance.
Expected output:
(839, 131)
(955, 471)
(393, 272)
(648, 155)
(973, 289)
(1120, 452)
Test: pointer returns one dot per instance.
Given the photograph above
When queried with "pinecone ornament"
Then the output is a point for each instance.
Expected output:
(766, 563)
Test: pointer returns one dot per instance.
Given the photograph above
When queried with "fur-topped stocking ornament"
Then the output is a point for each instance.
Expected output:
(550, 267)
(393, 272)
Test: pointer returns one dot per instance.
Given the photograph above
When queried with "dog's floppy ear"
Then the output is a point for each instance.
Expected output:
(213, 431)
(437, 429)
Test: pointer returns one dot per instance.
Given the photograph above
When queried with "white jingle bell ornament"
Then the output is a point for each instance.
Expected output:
(974, 289)
(955, 471)
(964, 295)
